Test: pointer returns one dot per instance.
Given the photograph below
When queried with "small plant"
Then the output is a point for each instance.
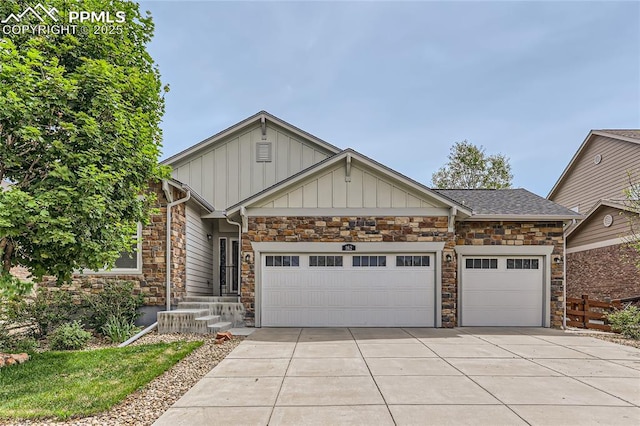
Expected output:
(626, 321)
(116, 300)
(118, 329)
(46, 311)
(69, 337)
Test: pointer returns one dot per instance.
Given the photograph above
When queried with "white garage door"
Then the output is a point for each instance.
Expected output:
(502, 291)
(337, 289)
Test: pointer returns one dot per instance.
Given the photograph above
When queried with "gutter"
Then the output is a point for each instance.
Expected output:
(170, 205)
(139, 335)
(230, 222)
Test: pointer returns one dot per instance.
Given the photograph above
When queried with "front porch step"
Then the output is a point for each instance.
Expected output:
(211, 299)
(219, 326)
(232, 312)
(180, 320)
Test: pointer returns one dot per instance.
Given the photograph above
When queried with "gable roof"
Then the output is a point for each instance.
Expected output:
(628, 135)
(249, 121)
(600, 204)
(340, 157)
(508, 204)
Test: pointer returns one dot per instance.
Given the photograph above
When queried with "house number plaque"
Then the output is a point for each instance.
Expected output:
(349, 247)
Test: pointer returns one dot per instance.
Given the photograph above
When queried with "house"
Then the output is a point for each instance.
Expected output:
(599, 263)
(301, 233)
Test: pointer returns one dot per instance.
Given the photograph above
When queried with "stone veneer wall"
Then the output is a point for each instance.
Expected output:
(605, 273)
(348, 229)
(151, 282)
(522, 234)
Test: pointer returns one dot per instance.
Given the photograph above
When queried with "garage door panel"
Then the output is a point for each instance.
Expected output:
(348, 296)
(502, 297)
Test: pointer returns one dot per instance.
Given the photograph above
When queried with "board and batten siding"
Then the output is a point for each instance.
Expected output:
(594, 231)
(228, 172)
(199, 256)
(587, 182)
(331, 190)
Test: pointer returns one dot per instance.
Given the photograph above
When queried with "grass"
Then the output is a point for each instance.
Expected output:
(62, 385)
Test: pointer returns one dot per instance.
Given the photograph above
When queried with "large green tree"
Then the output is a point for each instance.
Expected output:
(79, 138)
(470, 168)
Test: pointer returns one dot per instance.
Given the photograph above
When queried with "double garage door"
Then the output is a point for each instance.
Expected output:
(390, 289)
(340, 289)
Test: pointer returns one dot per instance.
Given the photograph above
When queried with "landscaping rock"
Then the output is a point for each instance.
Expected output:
(11, 359)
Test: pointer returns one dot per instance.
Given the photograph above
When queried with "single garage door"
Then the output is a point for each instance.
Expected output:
(348, 290)
(502, 291)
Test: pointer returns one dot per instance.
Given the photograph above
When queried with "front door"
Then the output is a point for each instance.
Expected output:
(229, 255)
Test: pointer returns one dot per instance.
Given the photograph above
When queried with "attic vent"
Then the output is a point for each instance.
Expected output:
(597, 159)
(263, 152)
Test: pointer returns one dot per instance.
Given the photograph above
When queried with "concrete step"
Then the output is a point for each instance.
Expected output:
(209, 319)
(180, 320)
(211, 299)
(228, 311)
(219, 326)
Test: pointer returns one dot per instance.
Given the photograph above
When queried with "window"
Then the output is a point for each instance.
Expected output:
(283, 261)
(331, 261)
(412, 260)
(369, 261)
(128, 262)
(481, 263)
(523, 264)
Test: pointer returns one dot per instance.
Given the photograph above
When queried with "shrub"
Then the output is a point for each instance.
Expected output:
(626, 321)
(69, 336)
(116, 300)
(118, 329)
(46, 311)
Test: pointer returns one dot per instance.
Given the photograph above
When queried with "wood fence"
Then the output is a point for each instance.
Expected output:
(585, 313)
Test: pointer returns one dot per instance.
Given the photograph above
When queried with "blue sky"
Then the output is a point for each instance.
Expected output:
(402, 81)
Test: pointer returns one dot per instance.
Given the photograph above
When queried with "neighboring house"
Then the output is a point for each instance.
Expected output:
(599, 264)
(307, 234)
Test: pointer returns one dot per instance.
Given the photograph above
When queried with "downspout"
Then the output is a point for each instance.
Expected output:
(239, 225)
(564, 277)
(165, 187)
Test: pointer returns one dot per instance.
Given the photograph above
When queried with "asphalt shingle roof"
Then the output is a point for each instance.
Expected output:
(517, 201)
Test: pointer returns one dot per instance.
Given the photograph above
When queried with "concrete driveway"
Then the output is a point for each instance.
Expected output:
(378, 376)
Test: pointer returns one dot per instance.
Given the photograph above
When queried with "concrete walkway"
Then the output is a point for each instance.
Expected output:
(475, 376)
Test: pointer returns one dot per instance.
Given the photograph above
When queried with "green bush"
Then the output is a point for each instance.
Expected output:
(626, 322)
(46, 311)
(116, 300)
(118, 329)
(70, 336)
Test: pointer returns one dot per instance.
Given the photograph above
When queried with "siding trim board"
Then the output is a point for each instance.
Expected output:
(329, 164)
(250, 121)
(600, 244)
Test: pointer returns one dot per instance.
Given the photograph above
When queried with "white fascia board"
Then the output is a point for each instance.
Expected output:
(365, 247)
(281, 187)
(347, 212)
(504, 250)
(254, 119)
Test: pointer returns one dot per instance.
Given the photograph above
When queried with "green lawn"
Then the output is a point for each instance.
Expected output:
(81, 383)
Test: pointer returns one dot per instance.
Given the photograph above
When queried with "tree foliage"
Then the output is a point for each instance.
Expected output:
(632, 202)
(79, 140)
(470, 168)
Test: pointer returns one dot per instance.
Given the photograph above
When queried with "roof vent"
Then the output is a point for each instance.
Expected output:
(263, 152)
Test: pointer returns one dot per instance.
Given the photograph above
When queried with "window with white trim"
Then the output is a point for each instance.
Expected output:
(283, 261)
(523, 264)
(330, 261)
(129, 262)
(369, 261)
(412, 261)
(479, 263)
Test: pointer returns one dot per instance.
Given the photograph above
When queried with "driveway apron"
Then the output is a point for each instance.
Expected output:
(409, 376)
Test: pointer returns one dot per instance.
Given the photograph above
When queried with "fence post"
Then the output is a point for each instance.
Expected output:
(585, 309)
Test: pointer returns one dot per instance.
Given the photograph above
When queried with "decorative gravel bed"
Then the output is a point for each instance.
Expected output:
(146, 405)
